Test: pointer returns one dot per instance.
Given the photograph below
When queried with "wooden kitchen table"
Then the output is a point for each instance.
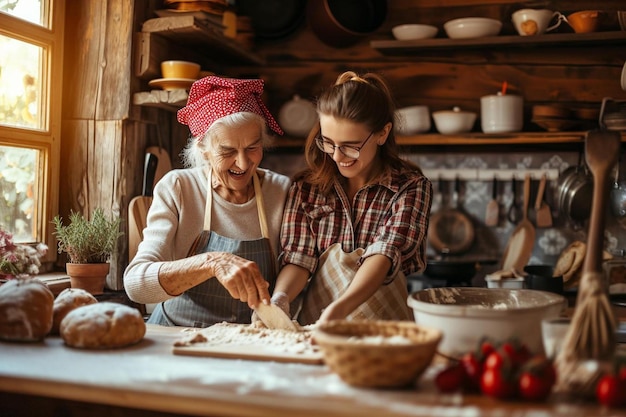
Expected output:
(147, 377)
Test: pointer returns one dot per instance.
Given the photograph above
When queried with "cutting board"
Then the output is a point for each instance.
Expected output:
(249, 352)
(240, 341)
(139, 206)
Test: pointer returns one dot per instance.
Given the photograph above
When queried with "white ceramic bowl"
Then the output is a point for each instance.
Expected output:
(412, 120)
(472, 27)
(414, 31)
(453, 121)
(467, 315)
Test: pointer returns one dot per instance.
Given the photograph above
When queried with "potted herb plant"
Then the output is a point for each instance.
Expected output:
(89, 244)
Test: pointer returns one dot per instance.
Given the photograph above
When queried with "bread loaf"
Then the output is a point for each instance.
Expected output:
(25, 310)
(66, 301)
(104, 325)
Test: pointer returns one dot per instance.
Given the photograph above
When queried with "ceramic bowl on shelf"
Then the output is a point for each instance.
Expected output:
(412, 120)
(414, 31)
(467, 315)
(555, 124)
(180, 69)
(453, 121)
(472, 27)
(585, 21)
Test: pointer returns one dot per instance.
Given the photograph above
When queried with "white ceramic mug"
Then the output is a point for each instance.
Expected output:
(530, 22)
(501, 113)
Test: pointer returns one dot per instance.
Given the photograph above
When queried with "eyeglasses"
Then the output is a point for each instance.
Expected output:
(350, 151)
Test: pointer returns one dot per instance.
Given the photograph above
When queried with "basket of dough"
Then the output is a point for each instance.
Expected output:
(377, 353)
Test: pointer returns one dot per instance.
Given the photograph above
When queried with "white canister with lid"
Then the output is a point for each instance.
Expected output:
(501, 113)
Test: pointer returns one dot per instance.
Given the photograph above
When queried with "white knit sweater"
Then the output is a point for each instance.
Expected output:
(176, 218)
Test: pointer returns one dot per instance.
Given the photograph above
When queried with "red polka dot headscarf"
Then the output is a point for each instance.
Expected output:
(212, 98)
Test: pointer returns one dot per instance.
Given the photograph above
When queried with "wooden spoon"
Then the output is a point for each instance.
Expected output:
(543, 216)
(493, 208)
(520, 246)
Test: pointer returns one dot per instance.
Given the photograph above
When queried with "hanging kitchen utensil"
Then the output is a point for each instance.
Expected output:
(514, 213)
(139, 206)
(164, 162)
(493, 208)
(450, 230)
(543, 214)
(341, 23)
(520, 246)
(273, 19)
(591, 334)
(618, 196)
(575, 188)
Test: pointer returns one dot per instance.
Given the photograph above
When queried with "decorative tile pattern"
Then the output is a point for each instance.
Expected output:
(474, 196)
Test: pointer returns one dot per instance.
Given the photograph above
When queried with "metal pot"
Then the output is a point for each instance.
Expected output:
(613, 120)
(341, 23)
(575, 191)
(452, 271)
(455, 270)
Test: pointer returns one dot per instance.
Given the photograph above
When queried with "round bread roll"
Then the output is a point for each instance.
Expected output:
(104, 325)
(25, 310)
(66, 301)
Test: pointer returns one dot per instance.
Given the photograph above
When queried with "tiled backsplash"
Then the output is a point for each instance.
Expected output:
(474, 196)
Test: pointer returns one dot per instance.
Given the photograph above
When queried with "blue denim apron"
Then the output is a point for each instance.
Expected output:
(209, 302)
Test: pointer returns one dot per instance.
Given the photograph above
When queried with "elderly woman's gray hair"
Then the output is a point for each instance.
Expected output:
(193, 154)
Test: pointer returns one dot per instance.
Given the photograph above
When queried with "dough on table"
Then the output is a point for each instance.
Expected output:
(104, 325)
(25, 310)
(66, 301)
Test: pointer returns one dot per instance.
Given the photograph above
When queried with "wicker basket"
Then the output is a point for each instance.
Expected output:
(378, 360)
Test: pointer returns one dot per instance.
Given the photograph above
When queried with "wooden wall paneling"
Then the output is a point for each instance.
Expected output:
(97, 69)
(91, 173)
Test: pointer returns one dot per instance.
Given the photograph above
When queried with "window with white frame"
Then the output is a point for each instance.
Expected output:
(31, 60)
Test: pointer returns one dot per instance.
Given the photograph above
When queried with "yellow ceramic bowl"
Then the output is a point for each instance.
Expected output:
(180, 69)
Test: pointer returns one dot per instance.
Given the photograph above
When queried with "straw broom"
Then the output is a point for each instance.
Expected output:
(591, 334)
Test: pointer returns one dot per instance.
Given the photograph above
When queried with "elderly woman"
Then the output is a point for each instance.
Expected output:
(212, 235)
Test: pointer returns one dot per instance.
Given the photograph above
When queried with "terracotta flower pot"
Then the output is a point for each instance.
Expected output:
(89, 277)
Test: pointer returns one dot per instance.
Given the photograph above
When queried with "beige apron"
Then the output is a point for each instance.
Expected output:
(335, 272)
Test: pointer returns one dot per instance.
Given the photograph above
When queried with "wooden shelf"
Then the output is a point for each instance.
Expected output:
(167, 100)
(190, 31)
(395, 47)
(473, 139)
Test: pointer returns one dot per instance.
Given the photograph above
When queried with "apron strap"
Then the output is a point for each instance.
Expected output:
(260, 205)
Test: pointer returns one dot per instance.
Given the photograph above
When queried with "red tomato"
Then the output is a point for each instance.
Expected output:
(486, 349)
(495, 384)
(610, 391)
(518, 353)
(451, 378)
(473, 371)
(535, 386)
(498, 360)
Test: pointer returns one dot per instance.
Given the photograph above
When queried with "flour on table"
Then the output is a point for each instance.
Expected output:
(221, 334)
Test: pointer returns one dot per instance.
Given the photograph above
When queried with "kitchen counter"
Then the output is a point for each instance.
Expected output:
(148, 376)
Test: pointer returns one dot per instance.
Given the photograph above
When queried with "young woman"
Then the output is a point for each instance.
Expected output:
(356, 219)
